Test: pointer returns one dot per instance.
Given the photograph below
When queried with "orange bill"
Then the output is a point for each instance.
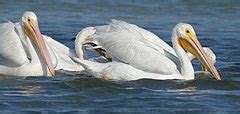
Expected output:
(32, 30)
(192, 45)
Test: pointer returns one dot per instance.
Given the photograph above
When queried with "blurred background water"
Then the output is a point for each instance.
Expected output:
(216, 22)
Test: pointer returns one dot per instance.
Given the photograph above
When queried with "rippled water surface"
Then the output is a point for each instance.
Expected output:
(216, 22)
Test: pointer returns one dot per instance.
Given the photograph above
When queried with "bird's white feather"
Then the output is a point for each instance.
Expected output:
(12, 52)
(127, 43)
(61, 55)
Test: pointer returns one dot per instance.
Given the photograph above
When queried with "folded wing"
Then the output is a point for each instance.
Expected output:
(12, 53)
(132, 45)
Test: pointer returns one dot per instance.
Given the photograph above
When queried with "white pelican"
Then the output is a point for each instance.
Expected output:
(24, 51)
(138, 53)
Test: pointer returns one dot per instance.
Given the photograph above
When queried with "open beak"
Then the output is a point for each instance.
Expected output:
(192, 45)
(32, 30)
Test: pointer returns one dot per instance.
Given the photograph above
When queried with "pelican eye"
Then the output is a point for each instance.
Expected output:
(29, 20)
(187, 31)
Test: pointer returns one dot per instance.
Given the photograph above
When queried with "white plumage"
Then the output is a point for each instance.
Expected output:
(20, 56)
(138, 53)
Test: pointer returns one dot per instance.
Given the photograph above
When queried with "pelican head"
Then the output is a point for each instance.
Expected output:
(84, 36)
(31, 29)
(187, 39)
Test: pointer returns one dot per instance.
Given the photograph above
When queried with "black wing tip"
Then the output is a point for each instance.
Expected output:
(73, 39)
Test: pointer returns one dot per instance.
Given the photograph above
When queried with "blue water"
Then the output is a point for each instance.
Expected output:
(216, 22)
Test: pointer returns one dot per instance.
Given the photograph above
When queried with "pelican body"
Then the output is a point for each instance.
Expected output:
(137, 53)
(24, 51)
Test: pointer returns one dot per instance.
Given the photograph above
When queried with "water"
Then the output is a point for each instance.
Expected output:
(216, 22)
